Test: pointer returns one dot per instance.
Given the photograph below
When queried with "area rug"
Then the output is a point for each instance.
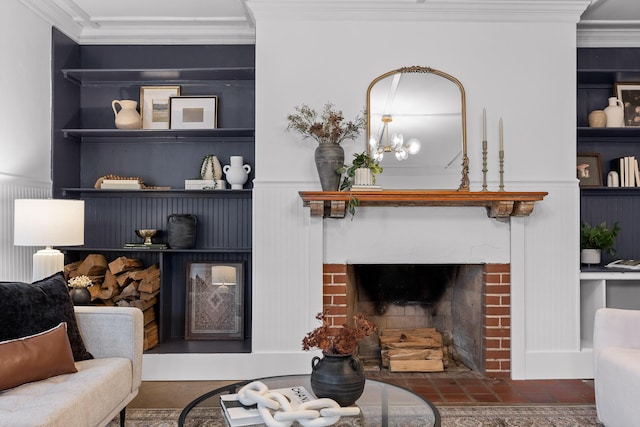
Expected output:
(452, 416)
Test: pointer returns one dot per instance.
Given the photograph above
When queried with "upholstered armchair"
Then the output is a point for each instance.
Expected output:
(616, 351)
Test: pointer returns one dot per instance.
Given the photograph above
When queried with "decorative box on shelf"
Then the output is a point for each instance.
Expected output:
(204, 184)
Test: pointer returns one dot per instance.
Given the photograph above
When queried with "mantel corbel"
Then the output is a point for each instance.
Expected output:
(500, 204)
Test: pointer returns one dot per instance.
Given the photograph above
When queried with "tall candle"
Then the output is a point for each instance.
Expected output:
(484, 124)
(501, 136)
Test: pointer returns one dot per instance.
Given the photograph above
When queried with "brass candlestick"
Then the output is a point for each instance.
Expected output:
(484, 165)
(501, 156)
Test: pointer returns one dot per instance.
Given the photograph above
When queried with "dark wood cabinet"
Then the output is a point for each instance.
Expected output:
(86, 146)
(598, 71)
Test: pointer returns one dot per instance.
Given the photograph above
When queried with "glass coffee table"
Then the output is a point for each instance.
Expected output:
(381, 405)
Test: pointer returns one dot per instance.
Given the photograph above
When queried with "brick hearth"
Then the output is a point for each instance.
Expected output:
(497, 311)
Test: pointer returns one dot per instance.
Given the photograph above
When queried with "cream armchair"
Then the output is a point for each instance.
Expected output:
(616, 350)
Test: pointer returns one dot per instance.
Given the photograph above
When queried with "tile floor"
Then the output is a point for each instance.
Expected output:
(473, 388)
(454, 389)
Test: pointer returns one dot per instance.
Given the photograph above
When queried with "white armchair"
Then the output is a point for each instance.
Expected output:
(616, 350)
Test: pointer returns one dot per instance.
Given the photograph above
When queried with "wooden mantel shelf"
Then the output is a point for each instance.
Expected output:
(499, 204)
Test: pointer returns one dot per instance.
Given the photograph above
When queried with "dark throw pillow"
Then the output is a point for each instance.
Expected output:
(29, 309)
(36, 357)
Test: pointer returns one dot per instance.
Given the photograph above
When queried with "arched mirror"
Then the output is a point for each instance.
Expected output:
(417, 125)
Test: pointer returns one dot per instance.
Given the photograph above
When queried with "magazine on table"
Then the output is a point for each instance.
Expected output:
(239, 415)
(629, 264)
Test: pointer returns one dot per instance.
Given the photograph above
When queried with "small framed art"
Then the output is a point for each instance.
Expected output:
(589, 169)
(215, 301)
(193, 112)
(154, 105)
(629, 94)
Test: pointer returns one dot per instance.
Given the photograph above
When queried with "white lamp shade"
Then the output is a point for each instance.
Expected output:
(49, 222)
(225, 274)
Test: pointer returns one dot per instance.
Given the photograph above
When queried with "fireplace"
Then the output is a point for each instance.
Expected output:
(468, 304)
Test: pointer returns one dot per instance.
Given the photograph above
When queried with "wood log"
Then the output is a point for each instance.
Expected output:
(411, 354)
(150, 336)
(129, 292)
(148, 315)
(151, 283)
(141, 274)
(143, 304)
(145, 296)
(124, 279)
(416, 366)
(71, 270)
(93, 265)
(421, 332)
(123, 263)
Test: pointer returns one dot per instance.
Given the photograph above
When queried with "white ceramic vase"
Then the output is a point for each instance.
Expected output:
(615, 113)
(236, 173)
(210, 168)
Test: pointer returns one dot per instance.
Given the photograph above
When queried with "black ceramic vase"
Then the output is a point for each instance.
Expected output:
(80, 296)
(329, 158)
(337, 376)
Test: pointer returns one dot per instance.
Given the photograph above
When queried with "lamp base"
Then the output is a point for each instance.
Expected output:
(46, 262)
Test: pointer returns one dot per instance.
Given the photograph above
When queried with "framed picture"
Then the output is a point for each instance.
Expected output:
(193, 112)
(215, 301)
(629, 94)
(154, 105)
(589, 169)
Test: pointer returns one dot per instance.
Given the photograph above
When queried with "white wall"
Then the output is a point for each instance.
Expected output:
(25, 124)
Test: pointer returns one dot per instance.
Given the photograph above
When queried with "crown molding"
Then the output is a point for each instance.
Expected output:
(84, 29)
(172, 35)
(56, 16)
(421, 10)
(600, 34)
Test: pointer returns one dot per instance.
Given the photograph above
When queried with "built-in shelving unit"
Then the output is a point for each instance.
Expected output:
(599, 69)
(87, 146)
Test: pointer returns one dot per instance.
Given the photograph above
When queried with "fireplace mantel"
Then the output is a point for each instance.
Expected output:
(499, 204)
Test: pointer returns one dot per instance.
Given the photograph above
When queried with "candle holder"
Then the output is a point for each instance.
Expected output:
(501, 157)
(484, 165)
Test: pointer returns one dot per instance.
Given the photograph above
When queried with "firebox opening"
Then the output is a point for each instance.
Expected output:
(447, 297)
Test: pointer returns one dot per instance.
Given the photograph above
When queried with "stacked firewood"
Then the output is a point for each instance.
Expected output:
(123, 282)
(412, 350)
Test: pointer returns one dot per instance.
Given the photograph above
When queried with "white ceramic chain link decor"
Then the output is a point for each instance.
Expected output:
(313, 413)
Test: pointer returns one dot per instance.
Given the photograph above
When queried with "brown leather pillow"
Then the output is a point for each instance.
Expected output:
(36, 357)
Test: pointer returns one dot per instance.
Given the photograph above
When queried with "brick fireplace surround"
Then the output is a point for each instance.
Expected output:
(497, 313)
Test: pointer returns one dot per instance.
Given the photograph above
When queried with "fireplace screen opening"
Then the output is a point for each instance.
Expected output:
(408, 302)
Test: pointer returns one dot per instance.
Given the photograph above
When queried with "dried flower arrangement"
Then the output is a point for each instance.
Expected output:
(329, 128)
(344, 341)
(80, 282)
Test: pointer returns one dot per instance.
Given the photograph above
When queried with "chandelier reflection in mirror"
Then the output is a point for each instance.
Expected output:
(401, 148)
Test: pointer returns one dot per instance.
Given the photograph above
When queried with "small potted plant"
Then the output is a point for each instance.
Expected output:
(79, 293)
(363, 171)
(595, 239)
(329, 129)
(338, 375)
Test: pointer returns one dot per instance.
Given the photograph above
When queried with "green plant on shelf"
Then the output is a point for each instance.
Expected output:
(599, 237)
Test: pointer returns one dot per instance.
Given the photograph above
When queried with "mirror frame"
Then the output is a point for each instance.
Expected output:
(464, 183)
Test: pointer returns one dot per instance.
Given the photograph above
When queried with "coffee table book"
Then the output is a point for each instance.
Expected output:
(238, 415)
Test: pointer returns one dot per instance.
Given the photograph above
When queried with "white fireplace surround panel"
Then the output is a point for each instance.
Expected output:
(514, 58)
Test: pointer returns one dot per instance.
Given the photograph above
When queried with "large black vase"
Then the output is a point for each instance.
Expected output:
(182, 231)
(337, 376)
(329, 158)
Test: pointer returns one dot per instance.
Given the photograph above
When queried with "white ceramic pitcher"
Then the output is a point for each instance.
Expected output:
(126, 116)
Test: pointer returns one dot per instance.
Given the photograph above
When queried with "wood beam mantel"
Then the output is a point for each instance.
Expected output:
(499, 204)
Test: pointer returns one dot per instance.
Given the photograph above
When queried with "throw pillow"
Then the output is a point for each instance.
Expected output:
(28, 309)
(36, 357)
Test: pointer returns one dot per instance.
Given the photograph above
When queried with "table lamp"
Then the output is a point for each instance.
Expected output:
(48, 222)
(223, 276)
